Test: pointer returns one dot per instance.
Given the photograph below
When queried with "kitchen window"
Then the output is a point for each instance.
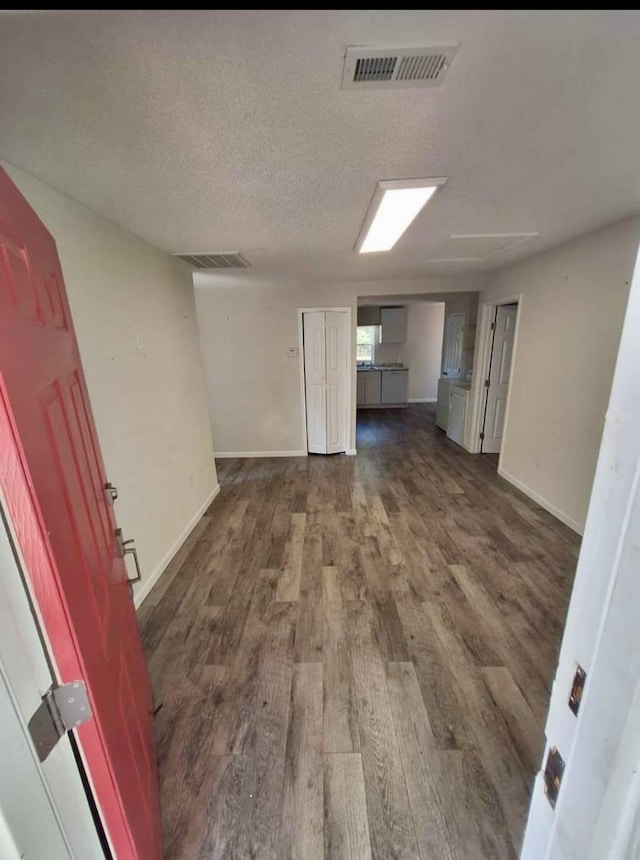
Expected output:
(366, 340)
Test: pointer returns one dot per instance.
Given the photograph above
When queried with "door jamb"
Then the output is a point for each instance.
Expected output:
(481, 369)
(16, 582)
(349, 387)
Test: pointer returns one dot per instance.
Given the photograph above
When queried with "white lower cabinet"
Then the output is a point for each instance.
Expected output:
(393, 389)
(442, 407)
(372, 388)
(382, 388)
(360, 377)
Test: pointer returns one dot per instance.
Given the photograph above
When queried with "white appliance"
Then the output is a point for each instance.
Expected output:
(442, 408)
(458, 397)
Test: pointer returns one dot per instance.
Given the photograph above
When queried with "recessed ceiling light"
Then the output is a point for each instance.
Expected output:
(394, 206)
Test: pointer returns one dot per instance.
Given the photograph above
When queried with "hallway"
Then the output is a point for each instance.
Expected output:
(352, 656)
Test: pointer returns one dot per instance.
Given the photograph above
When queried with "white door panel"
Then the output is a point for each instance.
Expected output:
(506, 350)
(499, 372)
(334, 434)
(498, 418)
(336, 361)
(315, 382)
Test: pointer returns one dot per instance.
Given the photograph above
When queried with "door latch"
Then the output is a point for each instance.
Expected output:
(127, 547)
(62, 709)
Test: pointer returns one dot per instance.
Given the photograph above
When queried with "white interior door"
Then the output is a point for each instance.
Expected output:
(336, 365)
(453, 336)
(325, 373)
(499, 370)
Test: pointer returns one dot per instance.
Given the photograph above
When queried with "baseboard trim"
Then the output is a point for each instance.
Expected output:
(225, 455)
(536, 497)
(422, 400)
(149, 581)
(351, 452)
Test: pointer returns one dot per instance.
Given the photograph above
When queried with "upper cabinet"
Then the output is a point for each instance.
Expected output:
(368, 315)
(393, 325)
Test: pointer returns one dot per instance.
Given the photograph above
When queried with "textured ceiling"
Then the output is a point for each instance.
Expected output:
(228, 130)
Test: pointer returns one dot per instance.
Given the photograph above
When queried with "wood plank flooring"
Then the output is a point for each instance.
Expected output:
(351, 657)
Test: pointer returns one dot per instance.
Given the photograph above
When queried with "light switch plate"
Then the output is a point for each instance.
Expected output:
(292, 352)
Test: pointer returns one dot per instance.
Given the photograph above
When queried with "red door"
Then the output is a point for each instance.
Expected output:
(52, 478)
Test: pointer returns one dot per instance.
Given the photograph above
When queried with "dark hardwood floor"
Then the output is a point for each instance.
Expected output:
(352, 656)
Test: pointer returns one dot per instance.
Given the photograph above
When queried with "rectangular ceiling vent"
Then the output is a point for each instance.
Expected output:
(396, 68)
(228, 260)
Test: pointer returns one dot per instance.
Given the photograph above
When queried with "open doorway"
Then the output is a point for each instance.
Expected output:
(415, 358)
(398, 353)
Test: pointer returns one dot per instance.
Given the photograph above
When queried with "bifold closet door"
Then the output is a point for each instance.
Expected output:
(315, 377)
(325, 357)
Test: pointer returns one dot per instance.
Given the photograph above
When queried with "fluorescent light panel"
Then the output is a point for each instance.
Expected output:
(394, 206)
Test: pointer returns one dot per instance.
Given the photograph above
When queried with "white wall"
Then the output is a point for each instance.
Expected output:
(570, 318)
(149, 404)
(422, 350)
(246, 324)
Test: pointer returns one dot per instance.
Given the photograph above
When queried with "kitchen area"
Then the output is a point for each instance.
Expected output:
(383, 381)
(418, 352)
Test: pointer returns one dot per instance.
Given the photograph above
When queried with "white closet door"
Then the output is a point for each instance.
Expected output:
(501, 355)
(315, 381)
(336, 365)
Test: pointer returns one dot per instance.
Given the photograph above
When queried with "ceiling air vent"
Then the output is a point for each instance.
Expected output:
(396, 68)
(230, 260)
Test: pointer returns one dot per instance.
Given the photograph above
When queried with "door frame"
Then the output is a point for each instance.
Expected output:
(350, 378)
(599, 791)
(66, 782)
(481, 368)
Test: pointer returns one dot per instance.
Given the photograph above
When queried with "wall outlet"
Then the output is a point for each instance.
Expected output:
(292, 352)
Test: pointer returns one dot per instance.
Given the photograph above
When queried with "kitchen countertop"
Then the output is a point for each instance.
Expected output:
(369, 367)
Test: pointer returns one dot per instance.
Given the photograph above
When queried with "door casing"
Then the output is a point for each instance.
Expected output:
(488, 442)
(481, 369)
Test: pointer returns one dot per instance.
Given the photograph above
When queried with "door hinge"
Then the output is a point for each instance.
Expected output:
(487, 383)
(552, 776)
(482, 437)
(493, 326)
(62, 708)
(577, 688)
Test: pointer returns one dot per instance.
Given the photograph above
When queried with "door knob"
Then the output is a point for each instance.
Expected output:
(124, 548)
